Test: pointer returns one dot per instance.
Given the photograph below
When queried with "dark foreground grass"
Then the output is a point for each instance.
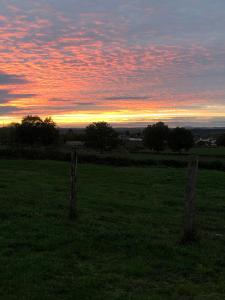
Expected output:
(125, 243)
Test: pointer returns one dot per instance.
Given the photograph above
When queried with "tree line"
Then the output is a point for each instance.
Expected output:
(33, 130)
(156, 137)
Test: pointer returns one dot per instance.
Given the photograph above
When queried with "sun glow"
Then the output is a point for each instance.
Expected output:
(120, 117)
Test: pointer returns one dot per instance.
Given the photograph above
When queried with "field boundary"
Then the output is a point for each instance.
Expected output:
(40, 154)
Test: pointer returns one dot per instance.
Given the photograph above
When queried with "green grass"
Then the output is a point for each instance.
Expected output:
(220, 151)
(125, 243)
(205, 154)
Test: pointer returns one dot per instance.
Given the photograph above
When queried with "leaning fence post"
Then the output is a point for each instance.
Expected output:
(73, 187)
(190, 226)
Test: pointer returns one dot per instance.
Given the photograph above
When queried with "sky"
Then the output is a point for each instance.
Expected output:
(126, 62)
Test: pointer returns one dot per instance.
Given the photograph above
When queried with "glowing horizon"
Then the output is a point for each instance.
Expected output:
(125, 62)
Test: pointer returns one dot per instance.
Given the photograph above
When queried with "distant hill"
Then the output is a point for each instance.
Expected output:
(207, 132)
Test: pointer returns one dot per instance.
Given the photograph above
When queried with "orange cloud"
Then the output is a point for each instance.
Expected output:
(91, 59)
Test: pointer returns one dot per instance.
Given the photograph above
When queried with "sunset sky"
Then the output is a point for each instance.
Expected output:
(127, 62)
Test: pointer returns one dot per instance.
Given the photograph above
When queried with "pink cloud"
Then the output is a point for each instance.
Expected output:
(91, 58)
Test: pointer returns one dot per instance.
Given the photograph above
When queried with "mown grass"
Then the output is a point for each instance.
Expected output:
(125, 242)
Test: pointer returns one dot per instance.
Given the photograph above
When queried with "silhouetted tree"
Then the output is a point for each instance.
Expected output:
(101, 136)
(33, 130)
(28, 132)
(221, 140)
(181, 138)
(156, 136)
(49, 132)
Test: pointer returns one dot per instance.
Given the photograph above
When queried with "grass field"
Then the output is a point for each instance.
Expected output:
(220, 151)
(205, 154)
(201, 151)
(125, 243)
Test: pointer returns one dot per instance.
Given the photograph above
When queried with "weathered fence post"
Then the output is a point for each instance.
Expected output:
(73, 188)
(190, 227)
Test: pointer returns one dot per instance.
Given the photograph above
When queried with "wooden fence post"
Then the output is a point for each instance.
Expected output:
(73, 187)
(190, 226)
